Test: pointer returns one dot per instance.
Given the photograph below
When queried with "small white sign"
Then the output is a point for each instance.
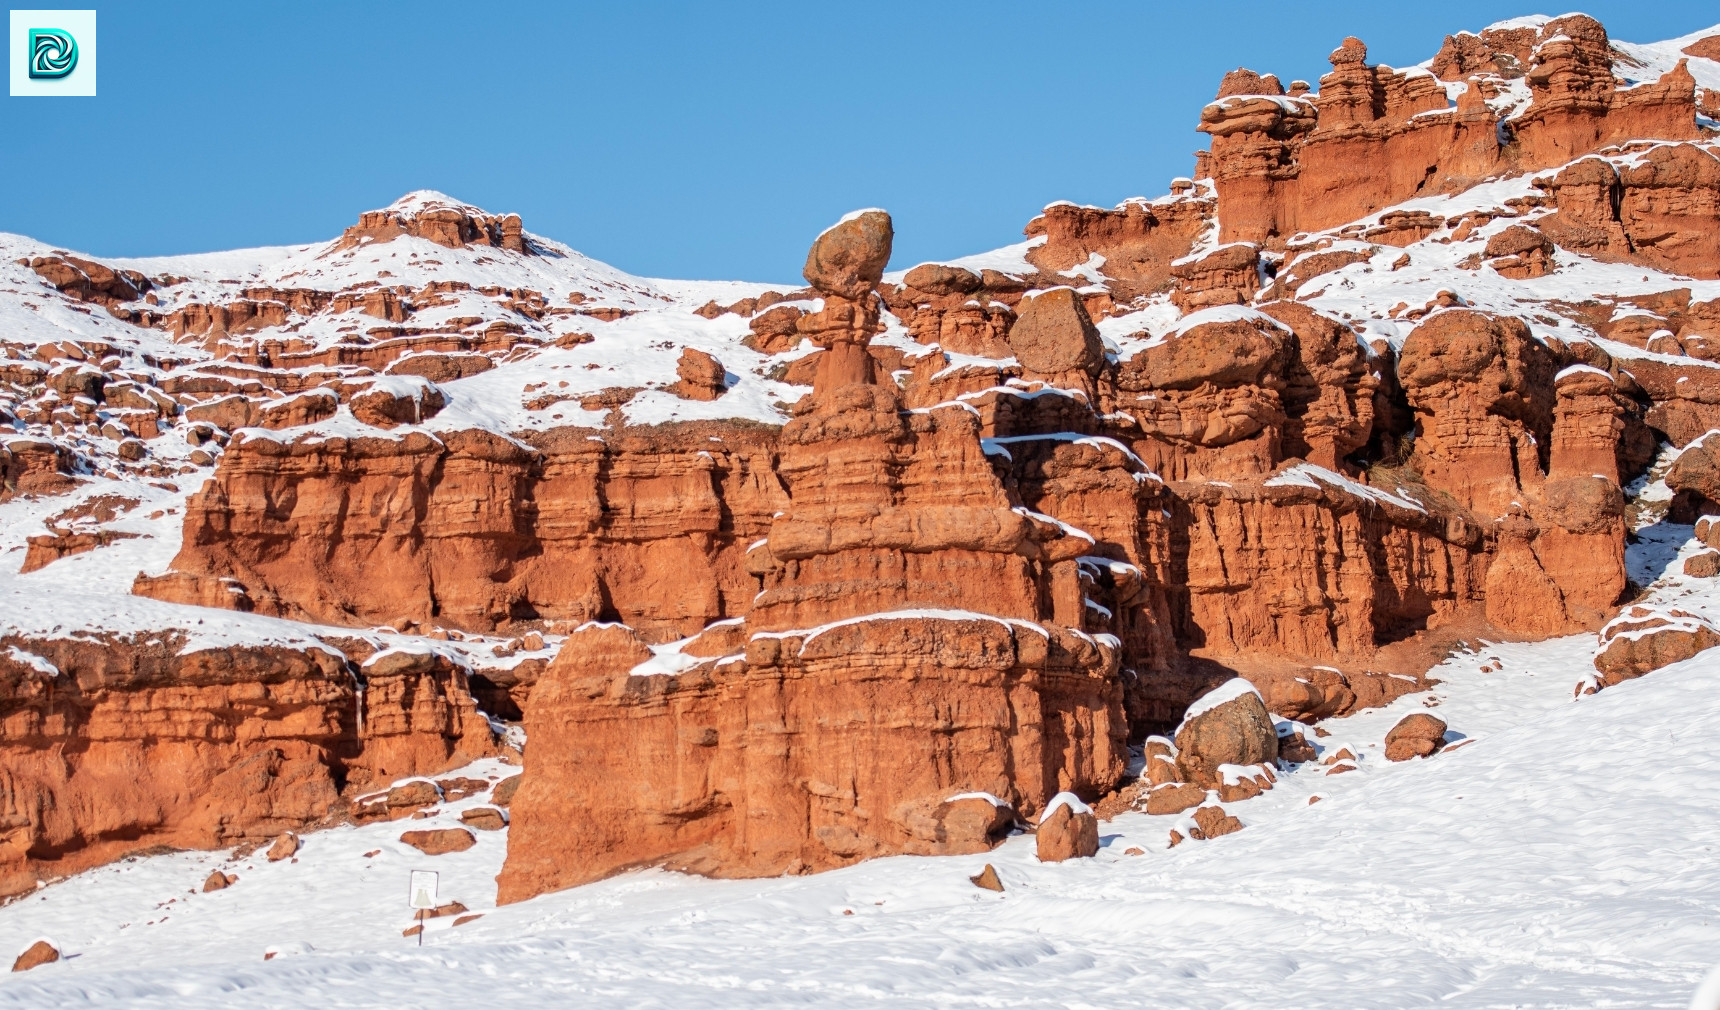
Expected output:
(52, 53)
(422, 893)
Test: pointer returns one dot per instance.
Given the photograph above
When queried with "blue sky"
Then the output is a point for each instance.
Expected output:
(682, 140)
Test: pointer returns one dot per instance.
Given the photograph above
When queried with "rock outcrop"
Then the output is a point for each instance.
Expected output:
(114, 744)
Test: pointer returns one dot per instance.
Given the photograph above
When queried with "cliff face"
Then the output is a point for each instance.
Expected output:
(475, 531)
(784, 581)
(110, 744)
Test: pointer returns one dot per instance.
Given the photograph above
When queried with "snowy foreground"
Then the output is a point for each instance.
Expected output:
(1569, 856)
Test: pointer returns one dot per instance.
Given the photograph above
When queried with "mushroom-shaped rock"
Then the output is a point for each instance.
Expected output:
(849, 257)
(1227, 725)
(286, 845)
(1053, 334)
(1068, 829)
(437, 841)
(44, 952)
(1416, 735)
(701, 376)
(398, 399)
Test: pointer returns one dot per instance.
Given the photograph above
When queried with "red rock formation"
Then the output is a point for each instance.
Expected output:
(1374, 137)
(434, 218)
(475, 531)
(111, 745)
(1661, 208)
(1138, 239)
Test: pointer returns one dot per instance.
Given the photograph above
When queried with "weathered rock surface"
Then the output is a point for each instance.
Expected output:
(439, 841)
(1067, 830)
(1644, 639)
(37, 954)
(1415, 735)
(202, 749)
(1229, 726)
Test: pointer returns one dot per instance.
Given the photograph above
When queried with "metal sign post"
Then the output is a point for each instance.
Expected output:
(421, 895)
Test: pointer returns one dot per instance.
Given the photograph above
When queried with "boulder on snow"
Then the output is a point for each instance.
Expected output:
(987, 878)
(1415, 735)
(503, 793)
(413, 795)
(398, 399)
(286, 845)
(1161, 756)
(438, 841)
(972, 822)
(1174, 798)
(1211, 822)
(1703, 566)
(44, 952)
(218, 881)
(1227, 725)
(701, 376)
(484, 819)
(1068, 829)
(1644, 639)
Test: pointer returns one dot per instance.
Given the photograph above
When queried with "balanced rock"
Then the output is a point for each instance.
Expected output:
(1227, 725)
(1053, 334)
(849, 257)
(1415, 735)
(44, 952)
(437, 841)
(1067, 830)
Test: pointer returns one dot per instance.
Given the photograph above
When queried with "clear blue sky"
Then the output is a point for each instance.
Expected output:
(670, 139)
